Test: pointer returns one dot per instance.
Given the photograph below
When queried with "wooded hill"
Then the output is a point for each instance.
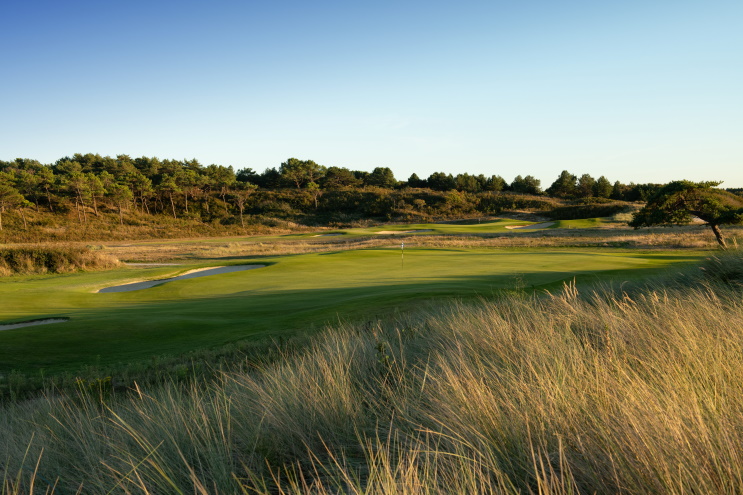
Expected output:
(84, 189)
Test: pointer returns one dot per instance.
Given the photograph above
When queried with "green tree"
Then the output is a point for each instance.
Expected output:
(496, 183)
(300, 172)
(189, 184)
(618, 191)
(67, 167)
(526, 185)
(121, 167)
(121, 195)
(28, 184)
(564, 187)
(314, 189)
(339, 177)
(22, 210)
(47, 182)
(678, 202)
(584, 188)
(415, 181)
(77, 185)
(270, 179)
(602, 188)
(141, 187)
(96, 189)
(247, 175)
(466, 182)
(223, 178)
(439, 181)
(149, 167)
(382, 177)
(241, 193)
(9, 196)
(169, 187)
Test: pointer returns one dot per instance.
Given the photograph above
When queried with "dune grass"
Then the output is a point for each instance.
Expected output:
(300, 293)
(606, 391)
(41, 259)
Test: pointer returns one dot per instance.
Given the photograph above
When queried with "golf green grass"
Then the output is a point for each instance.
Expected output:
(292, 293)
(583, 223)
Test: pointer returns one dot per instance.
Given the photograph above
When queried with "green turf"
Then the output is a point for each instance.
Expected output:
(584, 223)
(300, 292)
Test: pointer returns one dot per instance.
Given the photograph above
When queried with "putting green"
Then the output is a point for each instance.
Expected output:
(292, 293)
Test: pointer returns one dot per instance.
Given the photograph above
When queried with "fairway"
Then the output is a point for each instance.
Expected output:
(470, 227)
(290, 294)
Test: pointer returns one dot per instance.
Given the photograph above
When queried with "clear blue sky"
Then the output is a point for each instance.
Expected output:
(643, 91)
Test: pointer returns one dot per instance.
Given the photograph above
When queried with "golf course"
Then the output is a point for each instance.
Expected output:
(371, 248)
(280, 297)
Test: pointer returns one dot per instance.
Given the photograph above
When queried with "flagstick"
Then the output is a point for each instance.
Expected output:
(402, 255)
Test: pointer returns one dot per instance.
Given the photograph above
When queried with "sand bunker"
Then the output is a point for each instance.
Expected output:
(196, 273)
(528, 227)
(32, 323)
(392, 232)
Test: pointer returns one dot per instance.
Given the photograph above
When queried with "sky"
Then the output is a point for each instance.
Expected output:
(637, 91)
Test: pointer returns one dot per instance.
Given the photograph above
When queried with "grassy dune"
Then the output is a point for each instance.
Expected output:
(604, 391)
(292, 293)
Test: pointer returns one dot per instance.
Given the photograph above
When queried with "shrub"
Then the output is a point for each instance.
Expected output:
(31, 260)
(586, 211)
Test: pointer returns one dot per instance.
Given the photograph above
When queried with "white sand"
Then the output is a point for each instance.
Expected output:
(45, 321)
(529, 227)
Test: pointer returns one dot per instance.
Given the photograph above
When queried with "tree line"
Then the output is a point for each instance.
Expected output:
(186, 188)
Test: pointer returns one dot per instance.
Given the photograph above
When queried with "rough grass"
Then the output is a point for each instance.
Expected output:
(604, 392)
(53, 259)
(694, 237)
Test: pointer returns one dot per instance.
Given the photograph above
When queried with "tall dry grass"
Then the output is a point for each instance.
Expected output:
(41, 259)
(610, 391)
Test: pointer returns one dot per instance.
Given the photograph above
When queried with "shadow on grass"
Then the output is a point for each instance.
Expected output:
(137, 332)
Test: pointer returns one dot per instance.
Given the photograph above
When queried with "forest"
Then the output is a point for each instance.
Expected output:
(301, 191)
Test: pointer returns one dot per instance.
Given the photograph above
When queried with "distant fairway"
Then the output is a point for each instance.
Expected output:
(292, 293)
(470, 227)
